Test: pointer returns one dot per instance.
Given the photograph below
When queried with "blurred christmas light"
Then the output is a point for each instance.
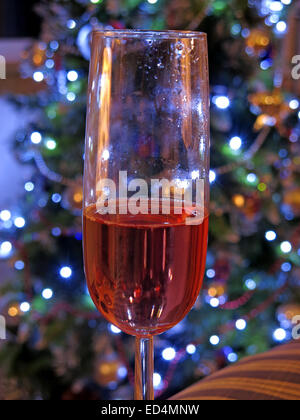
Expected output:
(212, 176)
(156, 380)
(279, 334)
(286, 247)
(210, 273)
(168, 353)
(235, 143)
(56, 198)
(65, 272)
(29, 186)
(250, 284)
(270, 235)
(122, 372)
(36, 137)
(38, 76)
(252, 178)
(54, 45)
(275, 6)
(13, 311)
(71, 24)
(214, 340)
(266, 64)
(47, 293)
(71, 96)
(56, 231)
(222, 102)
(214, 302)
(50, 144)
(114, 329)
(286, 267)
(5, 215)
(152, 1)
(25, 307)
(232, 357)
(49, 63)
(286, 2)
(5, 249)
(96, 1)
(19, 265)
(281, 27)
(19, 222)
(294, 104)
(72, 75)
(191, 349)
(241, 324)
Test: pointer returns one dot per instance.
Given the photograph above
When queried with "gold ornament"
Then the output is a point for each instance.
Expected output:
(258, 41)
(274, 110)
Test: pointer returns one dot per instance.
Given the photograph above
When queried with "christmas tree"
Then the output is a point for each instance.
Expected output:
(58, 346)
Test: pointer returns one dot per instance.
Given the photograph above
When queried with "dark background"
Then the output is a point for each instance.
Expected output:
(18, 19)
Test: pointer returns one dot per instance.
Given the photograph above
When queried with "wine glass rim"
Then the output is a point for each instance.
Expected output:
(136, 33)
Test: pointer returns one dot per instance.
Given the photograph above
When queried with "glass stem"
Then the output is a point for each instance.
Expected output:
(144, 366)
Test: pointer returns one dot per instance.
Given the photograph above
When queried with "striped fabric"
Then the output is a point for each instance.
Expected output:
(274, 375)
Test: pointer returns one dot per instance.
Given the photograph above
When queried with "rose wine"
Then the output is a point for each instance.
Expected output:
(145, 272)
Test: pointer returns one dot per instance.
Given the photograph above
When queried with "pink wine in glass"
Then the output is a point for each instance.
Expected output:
(144, 272)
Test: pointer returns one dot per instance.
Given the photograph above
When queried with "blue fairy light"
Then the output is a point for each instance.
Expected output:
(250, 284)
(5, 249)
(222, 102)
(19, 222)
(29, 186)
(72, 76)
(169, 354)
(56, 198)
(5, 215)
(25, 307)
(235, 143)
(241, 324)
(36, 137)
(279, 335)
(191, 349)
(38, 76)
(270, 236)
(214, 340)
(47, 293)
(19, 265)
(65, 272)
(232, 357)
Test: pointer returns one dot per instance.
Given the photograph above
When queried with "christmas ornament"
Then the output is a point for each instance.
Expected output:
(258, 41)
(274, 110)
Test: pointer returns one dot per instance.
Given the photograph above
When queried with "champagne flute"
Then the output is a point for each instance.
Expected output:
(146, 182)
